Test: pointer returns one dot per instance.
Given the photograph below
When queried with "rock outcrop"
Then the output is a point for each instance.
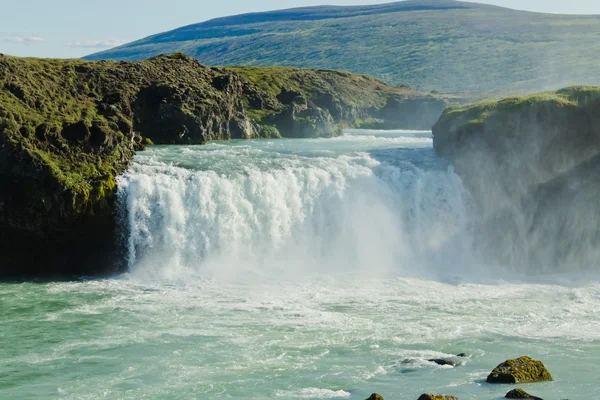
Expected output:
(442, 361)
(520, 370)
(520, 394)
(375, 396)
(69, 127)
(530, 164)
(428, 396)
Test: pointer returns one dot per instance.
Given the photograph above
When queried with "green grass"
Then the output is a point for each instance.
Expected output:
(478, 112)
(429, 45)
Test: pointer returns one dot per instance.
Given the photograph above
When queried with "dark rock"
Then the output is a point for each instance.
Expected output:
(339, 111)
(305, 122)
(463, 355)
(375, 396)
(520, 394)
(77, 132)
(412, 113)
(442, 361)
(436, 397)
(288, 97)
(241, 128)
(520, 370)
(99, 135)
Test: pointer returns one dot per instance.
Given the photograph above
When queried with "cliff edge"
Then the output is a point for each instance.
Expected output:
(69, 127)
(531, 164)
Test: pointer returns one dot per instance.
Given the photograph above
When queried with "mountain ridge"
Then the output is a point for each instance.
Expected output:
(445, 45)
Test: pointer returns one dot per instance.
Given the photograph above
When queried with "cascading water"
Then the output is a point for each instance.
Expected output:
(358, 204)
(296, 269)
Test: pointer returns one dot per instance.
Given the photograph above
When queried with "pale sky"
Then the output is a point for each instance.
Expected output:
(75, 28)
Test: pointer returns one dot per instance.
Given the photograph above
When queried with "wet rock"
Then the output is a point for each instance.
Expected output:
(428, 396)
(520, 394)
(442, 361)
(375, 396)
(305, 121)
(463, 355)
(520, 370)
(241, 128)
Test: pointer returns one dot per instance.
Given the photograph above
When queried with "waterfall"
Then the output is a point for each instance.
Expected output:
(249, 211)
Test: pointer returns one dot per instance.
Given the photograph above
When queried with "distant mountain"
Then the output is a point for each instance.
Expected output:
(443, 45)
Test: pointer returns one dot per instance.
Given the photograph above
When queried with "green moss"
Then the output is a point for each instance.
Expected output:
(268, 132)
(369, 124)
(520, 370)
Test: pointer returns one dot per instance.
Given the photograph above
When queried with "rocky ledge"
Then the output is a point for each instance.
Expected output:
(531, 164)
(69, 127)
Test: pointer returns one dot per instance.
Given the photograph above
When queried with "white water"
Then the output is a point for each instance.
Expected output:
(290, 208)
(297, 269)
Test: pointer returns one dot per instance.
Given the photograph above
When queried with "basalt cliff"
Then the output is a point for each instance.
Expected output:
(532, 165)
(69, 127)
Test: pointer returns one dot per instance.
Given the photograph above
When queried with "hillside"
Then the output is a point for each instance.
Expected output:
(442, 45)
(68, 128)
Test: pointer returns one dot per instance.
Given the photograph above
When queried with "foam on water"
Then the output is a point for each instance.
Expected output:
(315, 269)
(286, 211)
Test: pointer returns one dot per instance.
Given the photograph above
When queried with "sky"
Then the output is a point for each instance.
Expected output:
(75, 28)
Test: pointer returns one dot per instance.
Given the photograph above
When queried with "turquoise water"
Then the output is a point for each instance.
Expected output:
(294, 269)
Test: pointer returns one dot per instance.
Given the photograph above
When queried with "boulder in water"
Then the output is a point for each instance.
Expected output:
(520, 370)
(520, 394)
(375, 396)
(428, 396)
(442, 361)
(463, 355)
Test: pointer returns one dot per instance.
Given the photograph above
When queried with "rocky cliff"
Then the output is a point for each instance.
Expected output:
(69, 127)
(531, 164)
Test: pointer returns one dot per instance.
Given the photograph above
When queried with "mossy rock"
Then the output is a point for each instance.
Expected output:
(520, 370)
(428, 396)
(375, 396)
(520, 394)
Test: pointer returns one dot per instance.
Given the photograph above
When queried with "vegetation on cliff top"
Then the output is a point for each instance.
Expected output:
(459, 123)
(441, 45)
(69, 127)
(531, 166)
(478, 112)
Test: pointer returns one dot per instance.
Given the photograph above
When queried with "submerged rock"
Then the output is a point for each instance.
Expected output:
(375, 396)
(463, 355)
(442, 361)
(428, 396)
(520, 370)
(520, 394)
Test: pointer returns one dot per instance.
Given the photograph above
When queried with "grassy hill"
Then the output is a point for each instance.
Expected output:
(442, 45)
